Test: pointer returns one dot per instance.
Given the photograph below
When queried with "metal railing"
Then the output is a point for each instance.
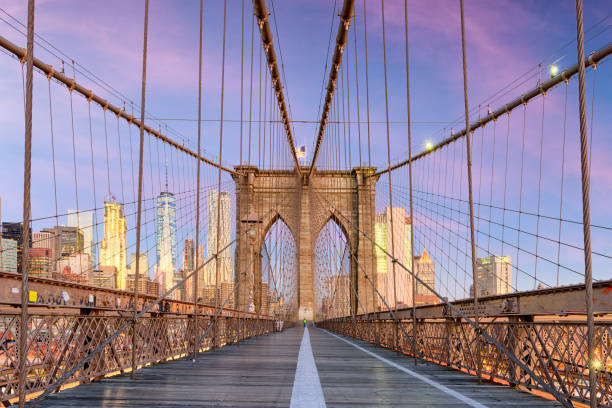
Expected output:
(56, 343)
(555, 351)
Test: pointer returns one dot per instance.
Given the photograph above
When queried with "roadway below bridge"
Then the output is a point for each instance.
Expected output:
(295, 368)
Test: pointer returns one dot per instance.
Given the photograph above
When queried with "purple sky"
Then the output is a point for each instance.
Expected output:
(506, 40)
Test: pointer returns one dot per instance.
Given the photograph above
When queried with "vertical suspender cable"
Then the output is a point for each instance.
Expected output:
(357, 90)
(241, 125)
(217, 271)
(139, 211)
(197, 230)
(411, 264)
(25, 238)
(394, 259)
(251, 91)
(586, 209)
(471, 198)
(370, 205)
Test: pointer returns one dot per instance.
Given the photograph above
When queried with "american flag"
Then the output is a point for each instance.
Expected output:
(301, 152)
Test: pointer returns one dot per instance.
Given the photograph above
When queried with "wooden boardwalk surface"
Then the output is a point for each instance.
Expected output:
(260, 372)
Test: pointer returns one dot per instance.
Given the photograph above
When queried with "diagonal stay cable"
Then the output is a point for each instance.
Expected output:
(127, 324)
(548, 388)
(382, 298)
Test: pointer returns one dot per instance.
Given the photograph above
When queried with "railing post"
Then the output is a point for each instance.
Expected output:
(511, 335)
(25, 237)
(586, 208)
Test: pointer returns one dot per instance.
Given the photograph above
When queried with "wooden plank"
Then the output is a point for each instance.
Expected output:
(350, 377)
(257, 372)
(260, 372)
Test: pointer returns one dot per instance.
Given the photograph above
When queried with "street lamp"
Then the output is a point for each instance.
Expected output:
(250, 221)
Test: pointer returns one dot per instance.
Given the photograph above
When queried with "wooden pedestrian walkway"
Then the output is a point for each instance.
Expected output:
(261, 372)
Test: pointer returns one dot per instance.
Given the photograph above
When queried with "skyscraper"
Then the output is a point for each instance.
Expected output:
(188, 267)
(143, 266)
(201, 271)
(14, 231)
(43, 239)
(425, 269)
(189, 255)
(494, 275)
(84, 220)
(65, 241)
(113, 247)
(166, 238)
(41, 262)
(384, 265)
(8, 257)
(224, 258)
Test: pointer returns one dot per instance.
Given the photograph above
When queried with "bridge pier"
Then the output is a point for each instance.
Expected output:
(305, 205)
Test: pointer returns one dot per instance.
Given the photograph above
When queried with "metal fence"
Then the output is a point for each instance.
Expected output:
(555, 352)
(56, 343)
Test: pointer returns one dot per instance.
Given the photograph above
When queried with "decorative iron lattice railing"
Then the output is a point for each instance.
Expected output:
(56, 343)
(556, 352)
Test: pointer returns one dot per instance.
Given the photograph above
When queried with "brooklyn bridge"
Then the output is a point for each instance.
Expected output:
(305, 204)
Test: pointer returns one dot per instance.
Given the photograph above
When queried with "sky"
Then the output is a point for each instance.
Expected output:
(506, 42)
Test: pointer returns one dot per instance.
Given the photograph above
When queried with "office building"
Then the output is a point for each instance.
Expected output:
(426, 271)
(494, 275)
(143, 265)
(225, 258)
(188, 255)
(387, 284)
(113, 246)
(8, 256)
(105, 277)
(166, 238)
(84, 221)
(44, 239)
(146, 285)
(65, 241)
(14, 231)
(178, 293)
(41, 263)
(77, 264)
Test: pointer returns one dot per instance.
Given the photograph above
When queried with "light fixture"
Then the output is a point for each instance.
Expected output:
(554, 70)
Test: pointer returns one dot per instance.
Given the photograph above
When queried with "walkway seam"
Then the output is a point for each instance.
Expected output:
(307, 391)
(421, 377)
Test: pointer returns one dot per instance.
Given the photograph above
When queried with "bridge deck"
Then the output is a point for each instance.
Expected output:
(261, 372)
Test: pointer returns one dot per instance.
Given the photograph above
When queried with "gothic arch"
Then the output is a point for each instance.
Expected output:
(341, 223)
(267, 223)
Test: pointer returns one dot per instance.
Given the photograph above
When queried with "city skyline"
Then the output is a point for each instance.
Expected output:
(67, 254)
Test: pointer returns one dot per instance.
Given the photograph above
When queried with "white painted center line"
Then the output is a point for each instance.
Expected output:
(307, 391)
(423, 378)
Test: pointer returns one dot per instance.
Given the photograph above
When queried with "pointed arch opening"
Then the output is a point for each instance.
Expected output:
(276, 291)
(333, 270)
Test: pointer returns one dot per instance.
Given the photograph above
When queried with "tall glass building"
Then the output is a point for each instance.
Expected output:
(84, 220)
(166, 238)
